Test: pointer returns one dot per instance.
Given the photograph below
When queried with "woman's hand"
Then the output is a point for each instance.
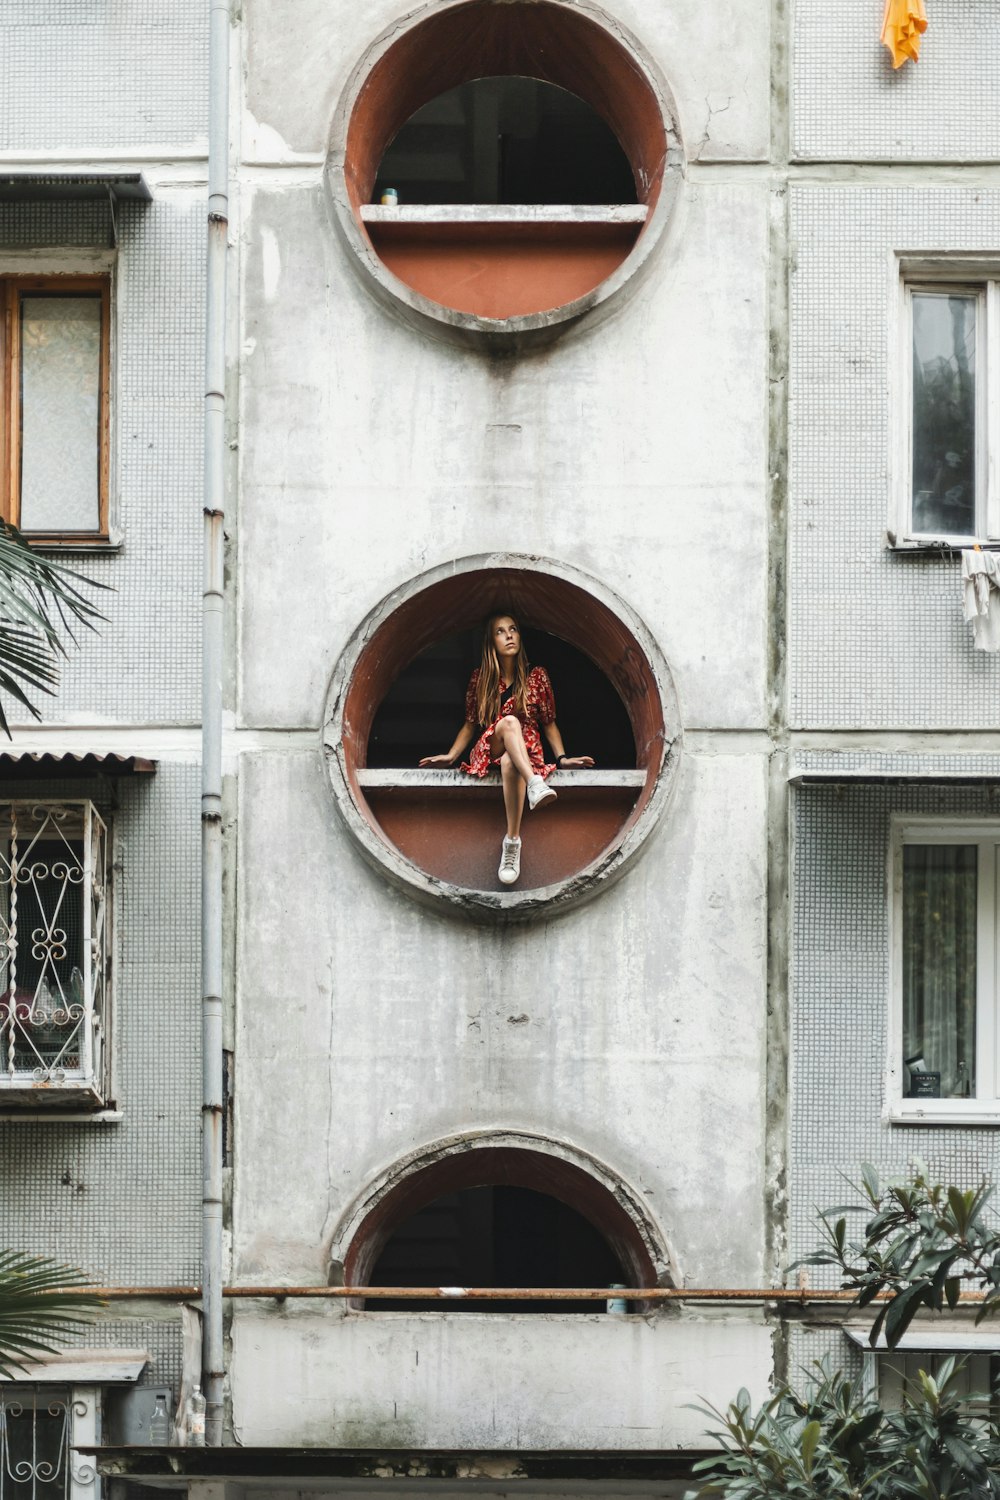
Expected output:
(437, 760)
(576, 762)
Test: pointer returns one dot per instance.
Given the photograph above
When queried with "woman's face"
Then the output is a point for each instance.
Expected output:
(506, 638)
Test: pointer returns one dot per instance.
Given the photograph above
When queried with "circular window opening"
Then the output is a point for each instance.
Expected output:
(504, 165)
(503, 1216)
(399, 695)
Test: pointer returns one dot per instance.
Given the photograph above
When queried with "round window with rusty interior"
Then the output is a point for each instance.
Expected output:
(417, 770)
(504, 167)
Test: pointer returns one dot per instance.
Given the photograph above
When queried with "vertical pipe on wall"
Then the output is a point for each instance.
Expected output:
(211, 716)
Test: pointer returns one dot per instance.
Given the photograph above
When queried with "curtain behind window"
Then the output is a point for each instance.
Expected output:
(940, 893)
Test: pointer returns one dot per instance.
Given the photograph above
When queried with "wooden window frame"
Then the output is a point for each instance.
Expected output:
(12, 289)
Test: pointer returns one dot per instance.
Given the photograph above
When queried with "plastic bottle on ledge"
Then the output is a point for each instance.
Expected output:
(159, 1423)
(196, 1419)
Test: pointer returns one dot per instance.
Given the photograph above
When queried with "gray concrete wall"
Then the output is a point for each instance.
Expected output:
(849, 104)
(876, 638)
(85, 77)
(840, 1005)
(93, 87)
(382, 1026)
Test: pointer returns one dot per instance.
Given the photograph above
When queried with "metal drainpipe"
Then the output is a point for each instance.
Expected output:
(213, 1363)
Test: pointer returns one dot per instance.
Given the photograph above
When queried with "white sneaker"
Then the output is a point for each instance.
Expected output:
(510, 861)
(539, 792)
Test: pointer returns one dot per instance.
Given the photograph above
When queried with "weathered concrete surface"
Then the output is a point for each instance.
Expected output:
(724, 108)
(368, 1027)
(635, 449)
(382, 1028)
(470, 1380)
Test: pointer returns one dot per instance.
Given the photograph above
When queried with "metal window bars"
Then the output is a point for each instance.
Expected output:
(35, 1436)
(39, 1426)
(53, 942)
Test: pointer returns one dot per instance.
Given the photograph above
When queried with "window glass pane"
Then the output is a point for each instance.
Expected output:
(944, 414)
(60, 413)
(939, 969)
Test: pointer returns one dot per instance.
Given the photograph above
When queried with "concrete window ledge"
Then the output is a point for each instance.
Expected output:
(408, 780)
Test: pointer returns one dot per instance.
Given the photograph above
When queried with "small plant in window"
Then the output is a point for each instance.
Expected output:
(512, 706)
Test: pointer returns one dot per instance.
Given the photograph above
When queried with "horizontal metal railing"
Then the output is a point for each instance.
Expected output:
(795, 1295)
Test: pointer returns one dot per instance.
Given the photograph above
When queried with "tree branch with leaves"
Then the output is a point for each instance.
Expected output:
(40, 602)
(42, 1303)
(923, 1244)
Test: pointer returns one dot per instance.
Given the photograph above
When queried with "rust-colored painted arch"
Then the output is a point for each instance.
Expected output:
(482, 38)
(538, 599)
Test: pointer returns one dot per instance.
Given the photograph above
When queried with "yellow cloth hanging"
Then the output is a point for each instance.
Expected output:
(903, 24)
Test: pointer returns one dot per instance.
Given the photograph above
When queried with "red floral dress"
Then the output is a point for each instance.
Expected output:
(541, 710)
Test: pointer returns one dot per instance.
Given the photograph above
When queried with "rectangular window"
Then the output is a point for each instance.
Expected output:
(899, 1375)
(945, 891)
(951, 355)
(54, 951)
(55, 381)
(39, 1424)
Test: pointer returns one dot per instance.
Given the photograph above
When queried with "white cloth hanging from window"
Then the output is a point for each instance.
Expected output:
(981, 597)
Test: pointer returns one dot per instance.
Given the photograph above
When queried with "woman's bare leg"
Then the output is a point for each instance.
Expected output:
(513, 795)
(508, 738)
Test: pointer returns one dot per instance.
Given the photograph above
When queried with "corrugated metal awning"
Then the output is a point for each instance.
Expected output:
(16, 764)
(35, 187)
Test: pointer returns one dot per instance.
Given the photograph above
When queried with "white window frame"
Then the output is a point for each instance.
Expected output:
(971, 276)
(89, 1084)
(985, 1107)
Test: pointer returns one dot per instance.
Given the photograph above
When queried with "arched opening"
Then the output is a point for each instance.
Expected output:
(399, 693)
(496, 1236)
(498, 1216)
(506, 140)
(529, 148)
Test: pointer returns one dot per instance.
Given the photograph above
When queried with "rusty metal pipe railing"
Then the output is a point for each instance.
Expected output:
(794, 1295)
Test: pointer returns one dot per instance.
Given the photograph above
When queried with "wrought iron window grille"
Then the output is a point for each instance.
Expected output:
(54, 948)
(38, 1427)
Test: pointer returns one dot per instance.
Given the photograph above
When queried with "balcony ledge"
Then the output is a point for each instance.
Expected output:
(419, 778)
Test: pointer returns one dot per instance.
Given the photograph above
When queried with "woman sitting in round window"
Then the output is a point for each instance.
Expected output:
(512, 705)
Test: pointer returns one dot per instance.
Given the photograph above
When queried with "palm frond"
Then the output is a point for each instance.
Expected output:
(40, 601)
(40, 1301)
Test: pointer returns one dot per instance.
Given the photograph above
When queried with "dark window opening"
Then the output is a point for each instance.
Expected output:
(496, 1237)
(506, 140)
(426, 704)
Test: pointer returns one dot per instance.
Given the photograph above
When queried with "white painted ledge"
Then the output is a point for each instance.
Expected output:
(504, 213)
(85, 1367)
(418, 777)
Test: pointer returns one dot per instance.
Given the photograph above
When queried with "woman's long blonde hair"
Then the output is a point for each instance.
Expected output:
(489, 699)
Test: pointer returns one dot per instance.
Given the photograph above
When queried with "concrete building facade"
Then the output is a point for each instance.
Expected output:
(673, 436)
